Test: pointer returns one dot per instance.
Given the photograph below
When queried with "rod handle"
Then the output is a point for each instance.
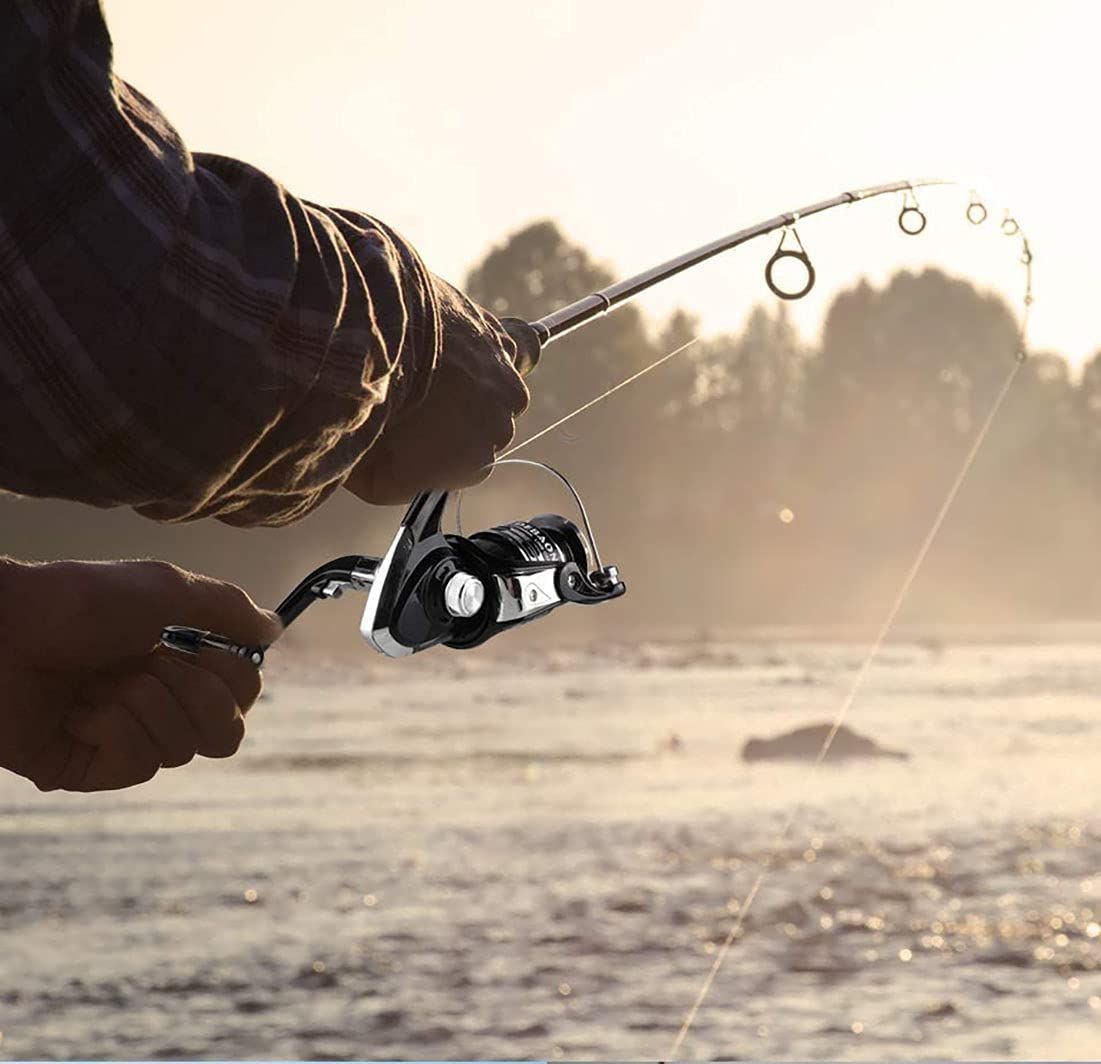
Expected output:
(529, 344)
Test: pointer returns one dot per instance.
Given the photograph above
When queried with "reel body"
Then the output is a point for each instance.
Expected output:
(460, 591)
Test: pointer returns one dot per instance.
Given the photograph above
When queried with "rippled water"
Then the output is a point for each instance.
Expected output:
(472, 857)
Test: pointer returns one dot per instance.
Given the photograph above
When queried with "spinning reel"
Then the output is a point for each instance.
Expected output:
(433, 587)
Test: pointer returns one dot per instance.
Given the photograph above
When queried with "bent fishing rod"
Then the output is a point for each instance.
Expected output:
(433, 588)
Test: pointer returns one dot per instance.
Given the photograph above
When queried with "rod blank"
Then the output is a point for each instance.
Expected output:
(568, 318)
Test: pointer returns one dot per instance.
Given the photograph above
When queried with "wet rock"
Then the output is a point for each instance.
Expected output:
(629, 903)
(434, 1033)
(252, 1005)
(803, 744)
(793, 912)
(670, 744)
(940, 1010)
(1010, 958)
(315, 977)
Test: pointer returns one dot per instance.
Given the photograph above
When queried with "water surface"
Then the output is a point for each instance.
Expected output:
(474, 857)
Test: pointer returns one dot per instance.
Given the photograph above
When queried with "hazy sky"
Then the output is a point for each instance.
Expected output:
(648, 128)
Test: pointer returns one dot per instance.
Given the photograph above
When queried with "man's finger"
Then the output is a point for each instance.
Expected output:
(116, 610)
(240, 676)
(124, 754)
(159, 712)
(76, 771)
(50, 766)
(208, 700)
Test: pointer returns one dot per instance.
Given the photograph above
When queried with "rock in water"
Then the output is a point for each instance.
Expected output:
(803, 744)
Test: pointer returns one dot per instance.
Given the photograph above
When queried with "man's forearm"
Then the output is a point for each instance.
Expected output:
(178, 333)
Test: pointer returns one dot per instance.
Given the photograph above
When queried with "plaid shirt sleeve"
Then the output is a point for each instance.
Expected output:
(178, 333)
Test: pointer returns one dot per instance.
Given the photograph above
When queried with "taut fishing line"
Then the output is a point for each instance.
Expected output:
(432, 588)
(847, 702)
(599, 399)
(911, 220)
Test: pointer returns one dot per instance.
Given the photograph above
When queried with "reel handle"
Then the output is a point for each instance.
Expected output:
(329, 581)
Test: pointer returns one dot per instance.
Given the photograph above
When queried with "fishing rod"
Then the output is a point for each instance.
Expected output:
(433, 588)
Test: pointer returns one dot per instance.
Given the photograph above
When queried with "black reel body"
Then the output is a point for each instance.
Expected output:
(434, 588)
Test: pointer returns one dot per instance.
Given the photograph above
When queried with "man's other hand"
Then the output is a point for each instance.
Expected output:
(451, 438)
(87, 700)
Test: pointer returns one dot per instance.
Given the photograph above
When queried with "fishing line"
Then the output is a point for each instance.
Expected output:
(847, 702)
(505, 456)
(600, 398)
(976, 214)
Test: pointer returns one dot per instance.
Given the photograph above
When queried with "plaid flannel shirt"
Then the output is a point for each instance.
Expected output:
(178, 333)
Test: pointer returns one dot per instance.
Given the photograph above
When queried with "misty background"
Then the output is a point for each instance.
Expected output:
(506, 855)
(502, 855)
(758, 479)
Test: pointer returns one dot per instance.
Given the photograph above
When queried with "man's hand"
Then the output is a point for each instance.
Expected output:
(451, 438)
(87, 702)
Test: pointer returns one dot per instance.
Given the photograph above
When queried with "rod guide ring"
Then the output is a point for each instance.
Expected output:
(912, 220)
(789, 253)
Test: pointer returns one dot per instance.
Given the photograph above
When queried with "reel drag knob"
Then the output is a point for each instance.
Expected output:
(463, 595)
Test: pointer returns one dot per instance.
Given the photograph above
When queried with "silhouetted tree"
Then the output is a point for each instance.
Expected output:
(537, 270)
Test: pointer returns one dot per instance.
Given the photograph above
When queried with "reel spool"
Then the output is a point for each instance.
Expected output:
(432, 588)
